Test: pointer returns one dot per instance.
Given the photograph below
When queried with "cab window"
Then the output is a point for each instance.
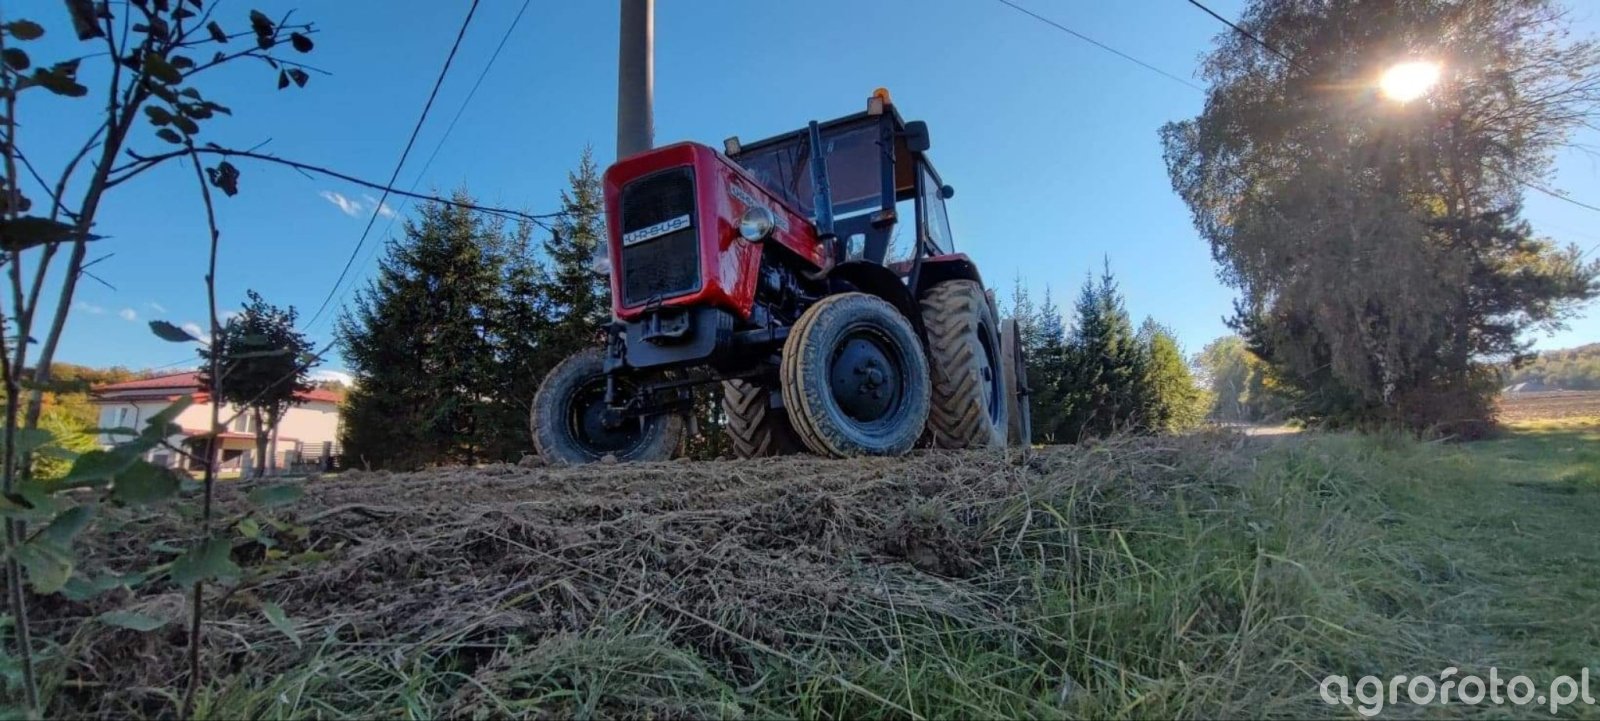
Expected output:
(935, 228)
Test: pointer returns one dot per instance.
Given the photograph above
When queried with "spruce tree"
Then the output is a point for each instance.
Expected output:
(1104, 365)
(578, 298)
(419, 343)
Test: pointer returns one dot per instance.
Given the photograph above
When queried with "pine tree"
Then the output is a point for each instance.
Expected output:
(1104, 365)
(420, 345)
(1044, 338)
(578, 298)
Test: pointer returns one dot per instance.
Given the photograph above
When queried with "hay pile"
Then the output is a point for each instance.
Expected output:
(739, 558)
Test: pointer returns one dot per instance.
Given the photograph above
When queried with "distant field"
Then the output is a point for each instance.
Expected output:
(1565, 406)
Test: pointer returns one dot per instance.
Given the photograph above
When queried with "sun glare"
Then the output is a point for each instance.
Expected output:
(1409, 80)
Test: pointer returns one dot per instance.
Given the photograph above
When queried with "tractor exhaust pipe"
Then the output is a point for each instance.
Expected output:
(636, 78)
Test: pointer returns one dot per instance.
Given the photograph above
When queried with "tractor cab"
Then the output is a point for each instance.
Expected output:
(884, 200)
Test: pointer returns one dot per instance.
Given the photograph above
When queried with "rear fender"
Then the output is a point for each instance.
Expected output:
(940, 268)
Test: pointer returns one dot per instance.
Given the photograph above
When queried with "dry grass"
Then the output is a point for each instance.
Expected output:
(1202, 576)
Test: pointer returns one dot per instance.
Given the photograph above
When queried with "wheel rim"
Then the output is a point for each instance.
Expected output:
(866, 375)
(994, 395)
(586, 421)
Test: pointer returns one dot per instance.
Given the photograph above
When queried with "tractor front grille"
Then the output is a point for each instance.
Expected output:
(660, 242)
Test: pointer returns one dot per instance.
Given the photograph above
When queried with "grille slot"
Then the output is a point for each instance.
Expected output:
(667, 265)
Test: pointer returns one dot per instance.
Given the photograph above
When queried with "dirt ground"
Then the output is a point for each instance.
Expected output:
(738, 554)
(1550, 406)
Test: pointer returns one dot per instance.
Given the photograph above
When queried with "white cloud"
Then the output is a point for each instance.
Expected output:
(90, 308)
(333, 375)
(356, 208)
(157, 307)
(194, 329)
(383, 208)
(128, 314)
(350, 207)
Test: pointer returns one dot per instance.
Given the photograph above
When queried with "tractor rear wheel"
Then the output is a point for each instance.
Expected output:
(1019, 416)
(969, 380)
(855, 378)
(753, 426)
(568, 418)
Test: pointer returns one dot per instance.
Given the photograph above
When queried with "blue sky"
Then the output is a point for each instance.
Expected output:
(1050, 142)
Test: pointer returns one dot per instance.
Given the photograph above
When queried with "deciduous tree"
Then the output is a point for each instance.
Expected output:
(1378, 245)
(266, 366)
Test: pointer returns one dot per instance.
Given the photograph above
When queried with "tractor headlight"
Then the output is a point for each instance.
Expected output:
(601, 265)
(756, 223)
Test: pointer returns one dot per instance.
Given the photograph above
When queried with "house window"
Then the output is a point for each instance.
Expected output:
(242, 423)
(122, 417)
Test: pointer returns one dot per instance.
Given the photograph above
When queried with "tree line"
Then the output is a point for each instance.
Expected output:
(1570, 369)
(1099, 375)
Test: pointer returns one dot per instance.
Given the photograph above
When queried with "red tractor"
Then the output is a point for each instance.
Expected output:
(813, 275)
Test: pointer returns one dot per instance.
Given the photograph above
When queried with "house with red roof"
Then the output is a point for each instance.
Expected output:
(307, 435)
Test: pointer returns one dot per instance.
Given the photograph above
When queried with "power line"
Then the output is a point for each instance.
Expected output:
(378, 208)
(1525, 183)
(1097, 43)
(1556, 195)
(446, 136)
(1250, 35)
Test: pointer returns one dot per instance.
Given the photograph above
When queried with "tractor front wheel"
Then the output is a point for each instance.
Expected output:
(855, 378)
(569, 425)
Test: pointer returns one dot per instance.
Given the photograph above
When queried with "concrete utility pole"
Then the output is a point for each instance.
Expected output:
(636, 78)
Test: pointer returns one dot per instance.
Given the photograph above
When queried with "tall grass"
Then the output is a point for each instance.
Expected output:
(1228, 587)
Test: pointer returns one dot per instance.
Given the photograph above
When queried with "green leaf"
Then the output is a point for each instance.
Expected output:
(170, 135)
(61, 79)
(49, 566)
(130, 620)
(189, 127)
(260, 23)
(28, 231)
(144, 483)
(16, 59)
(97, 467)
(276, 617)
(169, 332)
(24, 29)
(216, 32)
(67, 525)
(158, 115)
(249, 528)
(276, 495)
(80, 588)
(225, 177)
(207, 561)
(300, 42)
(156, 66)
(32, 439)
(159, 426)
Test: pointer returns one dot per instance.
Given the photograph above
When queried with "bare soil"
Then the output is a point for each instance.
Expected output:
(1550, 405)
(740, 557)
